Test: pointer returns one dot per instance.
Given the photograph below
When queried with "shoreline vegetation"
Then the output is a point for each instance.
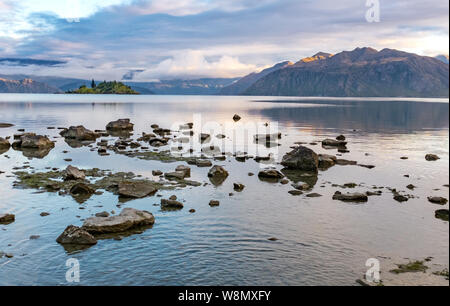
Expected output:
(104, 88)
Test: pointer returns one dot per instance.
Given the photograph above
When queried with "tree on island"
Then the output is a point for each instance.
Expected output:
(93, 85)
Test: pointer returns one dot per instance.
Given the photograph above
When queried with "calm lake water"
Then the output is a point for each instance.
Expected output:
(320, 241)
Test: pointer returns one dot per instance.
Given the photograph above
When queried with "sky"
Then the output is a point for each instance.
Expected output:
(148, 40)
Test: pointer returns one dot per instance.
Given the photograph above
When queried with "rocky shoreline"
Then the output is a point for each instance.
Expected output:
(298, 168)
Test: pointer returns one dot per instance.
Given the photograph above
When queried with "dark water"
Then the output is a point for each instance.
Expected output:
(320, 241)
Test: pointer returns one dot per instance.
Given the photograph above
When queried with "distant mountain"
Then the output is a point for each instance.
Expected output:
(363, 72)
(243, 84)
(206, 86)
(442, 58)
(25, 86)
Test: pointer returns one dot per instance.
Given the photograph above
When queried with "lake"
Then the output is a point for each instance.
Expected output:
(320, 241)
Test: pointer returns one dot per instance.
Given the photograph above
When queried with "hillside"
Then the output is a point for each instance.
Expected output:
(25, 86)
(363, 72)
(243, 84)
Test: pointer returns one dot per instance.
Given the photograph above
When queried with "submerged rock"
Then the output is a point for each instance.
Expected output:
(202, 163)
(136, 189)
(7, 218)
(77, 236)
(128, 219)
(121, 124)
(266, 137)
(301, 158)
(79, 133)
(438, 200)
(350, 197)
(73, 173)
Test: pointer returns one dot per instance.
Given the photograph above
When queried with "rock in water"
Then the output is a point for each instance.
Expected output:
(128, 219)
(326, 161)
(7, 218)
(236, 117)
(432, 157)
(121, 124)
(270, 174)
(442, 214)
(33, 141)
(438, 200)
(75, 235)
(185, 169)
(350, 197)
(217, 175)
(79, 133)
(136, 189)
(301, 158)
(214, 203)
(81, 189)
(4, 144)
(171, 204)
(238, 187)
(334, 143)
(73, 173)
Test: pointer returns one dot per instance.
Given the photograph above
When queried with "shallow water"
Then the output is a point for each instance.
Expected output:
(320, 241)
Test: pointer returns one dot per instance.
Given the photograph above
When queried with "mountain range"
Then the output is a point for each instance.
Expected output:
(363, 72)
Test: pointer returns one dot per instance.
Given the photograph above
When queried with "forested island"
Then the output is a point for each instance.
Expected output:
(113, 88)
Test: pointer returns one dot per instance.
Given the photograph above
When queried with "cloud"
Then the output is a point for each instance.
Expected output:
(196, 38)
(192, 64)
(29, 62)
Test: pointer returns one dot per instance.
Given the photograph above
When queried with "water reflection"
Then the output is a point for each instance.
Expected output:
(370, 117)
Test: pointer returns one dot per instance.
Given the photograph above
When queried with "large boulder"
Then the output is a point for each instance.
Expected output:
(79, 133)
(33, 141)
(77, 236)
(128, 219)
(121, 124)
(301, 158)
(73, 173)
(139, 189)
